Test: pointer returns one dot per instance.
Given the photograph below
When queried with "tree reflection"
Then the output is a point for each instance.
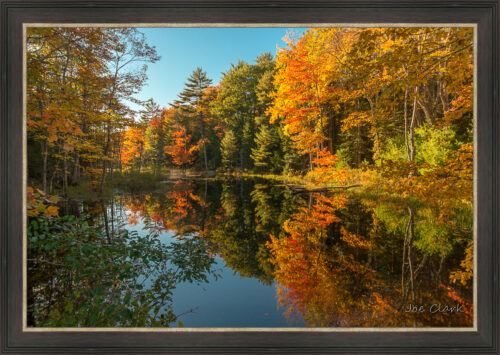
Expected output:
(337, 259)
(89, 276)
(341, 272)
(249, 213)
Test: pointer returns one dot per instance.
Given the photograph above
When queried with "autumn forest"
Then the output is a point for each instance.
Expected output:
(333, 178)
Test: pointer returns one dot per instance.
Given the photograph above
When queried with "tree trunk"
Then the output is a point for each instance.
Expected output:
(429, 116)
(331, 132)
(407, 145)
(141, 151)
(65, 175)
(45, 154)
(76, 169)
(112, 217)
(52, 181)
(103, 175)
(106, 151)
(108, 128)
(410, 261)
(358, 146)
(241, 157)
(412, 131)
(310, 160)
(106, 223)
(202, 125)
(410, 141)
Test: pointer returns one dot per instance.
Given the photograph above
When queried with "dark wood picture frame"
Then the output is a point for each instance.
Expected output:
(485, 14)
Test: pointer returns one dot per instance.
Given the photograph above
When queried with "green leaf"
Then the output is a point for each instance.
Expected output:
(126, 313)
(93, 318)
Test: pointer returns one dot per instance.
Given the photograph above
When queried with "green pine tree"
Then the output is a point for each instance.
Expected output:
(266, 154)
(191, 100)
(229, 150)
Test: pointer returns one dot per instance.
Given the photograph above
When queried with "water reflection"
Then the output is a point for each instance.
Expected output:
(334, 259)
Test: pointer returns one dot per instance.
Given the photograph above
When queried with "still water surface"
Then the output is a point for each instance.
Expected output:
(225, 299)
(253, 253)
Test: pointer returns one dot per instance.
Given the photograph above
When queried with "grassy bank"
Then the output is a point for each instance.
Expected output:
(127, 182)
(132, 181)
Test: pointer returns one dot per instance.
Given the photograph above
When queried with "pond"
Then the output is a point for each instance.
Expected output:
(251, 253)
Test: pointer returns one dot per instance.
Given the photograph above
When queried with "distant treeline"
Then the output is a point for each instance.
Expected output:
(332, 99)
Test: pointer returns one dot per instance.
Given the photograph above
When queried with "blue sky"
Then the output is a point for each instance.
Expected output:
(213, 49)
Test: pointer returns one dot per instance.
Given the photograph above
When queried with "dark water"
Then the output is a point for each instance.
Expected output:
(251, 253)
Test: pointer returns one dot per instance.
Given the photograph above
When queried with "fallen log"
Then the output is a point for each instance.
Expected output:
(302, 189)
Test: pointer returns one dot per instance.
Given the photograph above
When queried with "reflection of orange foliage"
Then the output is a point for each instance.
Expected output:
(136, 207)
(453, 294)
(327, 285)
(464, 275)
(174, 210)
(353, 240)
(325, 275)
(199, 200)
(179, 197)
(382, 304)
(220, 131)
(141, 207)
(133, 219)
(181, 205)
(322, 211)
(304, 230)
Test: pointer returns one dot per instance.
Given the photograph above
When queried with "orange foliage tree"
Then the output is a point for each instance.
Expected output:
(180, 149)
(132, 150)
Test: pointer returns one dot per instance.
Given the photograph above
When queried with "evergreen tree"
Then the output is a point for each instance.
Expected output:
(266, 154)
(242, 102)
(156, 137)
(292, 159)
(150, 110)
(191, 103)
(229, 150)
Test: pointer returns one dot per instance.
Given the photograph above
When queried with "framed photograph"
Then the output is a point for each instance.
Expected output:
(282, 176)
